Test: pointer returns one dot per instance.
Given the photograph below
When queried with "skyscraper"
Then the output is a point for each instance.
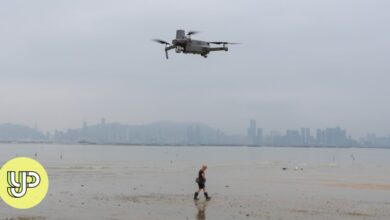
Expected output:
(259, 139)
(252, 132)
(303, 135)
(307, 136)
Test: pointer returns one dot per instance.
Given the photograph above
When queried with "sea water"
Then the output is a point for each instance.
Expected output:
(54, 153)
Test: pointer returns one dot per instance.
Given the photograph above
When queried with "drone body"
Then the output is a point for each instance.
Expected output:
(184, 44)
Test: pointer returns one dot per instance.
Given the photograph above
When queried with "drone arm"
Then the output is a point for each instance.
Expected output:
(168, 48)
(218, 48)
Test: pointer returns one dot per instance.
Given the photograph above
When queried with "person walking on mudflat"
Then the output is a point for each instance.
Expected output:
(201, 180)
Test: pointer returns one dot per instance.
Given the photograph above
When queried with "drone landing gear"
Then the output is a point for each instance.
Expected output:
(167, 48)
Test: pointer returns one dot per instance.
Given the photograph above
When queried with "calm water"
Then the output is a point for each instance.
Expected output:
(100, 153)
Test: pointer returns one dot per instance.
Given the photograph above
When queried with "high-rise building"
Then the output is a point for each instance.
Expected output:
(303, 135)
(307, 136)
(320, 137)
(274, 138)
(259, 139)
(292, 138)
(252, 132)
(332, 137)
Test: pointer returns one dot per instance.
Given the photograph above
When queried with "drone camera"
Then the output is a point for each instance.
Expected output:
(179, 49)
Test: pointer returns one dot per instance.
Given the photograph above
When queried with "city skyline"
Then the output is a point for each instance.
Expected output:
(192, 133)
(239, 131)
(242, 131)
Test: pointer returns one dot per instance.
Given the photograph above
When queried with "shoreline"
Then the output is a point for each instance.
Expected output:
(186, 145)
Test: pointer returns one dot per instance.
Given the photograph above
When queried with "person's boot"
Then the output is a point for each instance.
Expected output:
(196, 196)
(207, 196)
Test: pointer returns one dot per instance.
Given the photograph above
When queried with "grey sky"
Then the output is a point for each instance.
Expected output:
(302, 63)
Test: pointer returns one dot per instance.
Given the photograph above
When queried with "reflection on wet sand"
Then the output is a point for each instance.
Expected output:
(201, 207)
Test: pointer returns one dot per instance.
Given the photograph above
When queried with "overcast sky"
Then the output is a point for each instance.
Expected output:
(303, 63)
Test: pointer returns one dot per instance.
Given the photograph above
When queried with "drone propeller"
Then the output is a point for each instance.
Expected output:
(161, 41)
(192, 33)
(166, 45)
(221, 42)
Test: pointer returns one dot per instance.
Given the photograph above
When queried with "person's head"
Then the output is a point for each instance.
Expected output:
(204, 167)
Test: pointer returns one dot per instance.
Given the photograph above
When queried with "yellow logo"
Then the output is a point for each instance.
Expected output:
(23, 183)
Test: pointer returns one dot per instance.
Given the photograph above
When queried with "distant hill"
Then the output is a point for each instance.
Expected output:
(12, 132)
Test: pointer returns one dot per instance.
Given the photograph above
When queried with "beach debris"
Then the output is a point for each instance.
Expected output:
(295, 168)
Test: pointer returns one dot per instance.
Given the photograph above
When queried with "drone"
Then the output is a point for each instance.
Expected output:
(184, 44)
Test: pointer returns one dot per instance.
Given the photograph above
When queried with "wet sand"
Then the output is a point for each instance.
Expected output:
(239, 190)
